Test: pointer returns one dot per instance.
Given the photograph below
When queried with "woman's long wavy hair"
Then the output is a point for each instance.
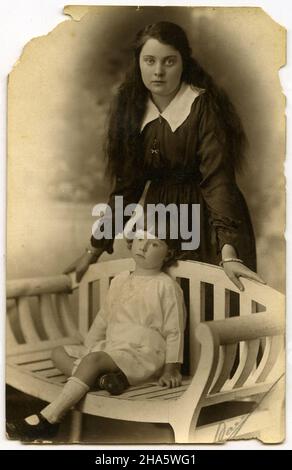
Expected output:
(123, 139)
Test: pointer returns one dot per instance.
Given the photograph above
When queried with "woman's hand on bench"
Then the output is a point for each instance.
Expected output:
(234, 267)
(81, 264)
(171, 376)
(236, 270)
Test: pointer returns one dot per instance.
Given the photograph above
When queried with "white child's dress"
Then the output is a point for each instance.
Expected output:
(140, 326)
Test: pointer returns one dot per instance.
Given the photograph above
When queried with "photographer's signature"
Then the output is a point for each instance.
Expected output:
(226, 431)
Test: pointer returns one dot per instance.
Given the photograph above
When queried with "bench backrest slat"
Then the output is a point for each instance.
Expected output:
(48, 315)
(27, 325)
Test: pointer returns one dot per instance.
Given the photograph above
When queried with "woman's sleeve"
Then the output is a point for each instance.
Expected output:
(131, 191)
(174, 322)
(218, 184)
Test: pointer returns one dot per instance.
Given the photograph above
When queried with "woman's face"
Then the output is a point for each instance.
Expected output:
(161, 67)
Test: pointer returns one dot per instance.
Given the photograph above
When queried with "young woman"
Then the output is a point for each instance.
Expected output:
(173, 127)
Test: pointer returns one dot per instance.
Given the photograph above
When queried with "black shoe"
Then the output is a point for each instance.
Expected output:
(24, 431)
(115, 383)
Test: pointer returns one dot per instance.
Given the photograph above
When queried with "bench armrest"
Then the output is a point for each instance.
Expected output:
(38, 285)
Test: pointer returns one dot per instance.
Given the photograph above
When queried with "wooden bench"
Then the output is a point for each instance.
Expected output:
(237, 357)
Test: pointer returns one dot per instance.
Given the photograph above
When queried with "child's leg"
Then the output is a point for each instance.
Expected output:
(114, 382)
(45, 423)
(93, 365)
(90, 367)
(62, 360)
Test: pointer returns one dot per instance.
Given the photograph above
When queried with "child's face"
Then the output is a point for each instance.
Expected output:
(149, 252)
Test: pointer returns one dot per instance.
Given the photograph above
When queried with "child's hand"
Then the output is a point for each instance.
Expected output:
(171, 376)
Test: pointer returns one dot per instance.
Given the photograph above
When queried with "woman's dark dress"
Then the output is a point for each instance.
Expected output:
(190, 166)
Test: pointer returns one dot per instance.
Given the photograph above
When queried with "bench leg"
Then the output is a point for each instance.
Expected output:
(183, 423)
(76, 426)
(182, 429)
(181, 434)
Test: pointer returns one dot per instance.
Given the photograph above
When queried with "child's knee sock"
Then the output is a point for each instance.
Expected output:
(71, 394)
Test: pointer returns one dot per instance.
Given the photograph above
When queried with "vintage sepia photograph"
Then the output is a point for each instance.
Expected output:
(145, 269)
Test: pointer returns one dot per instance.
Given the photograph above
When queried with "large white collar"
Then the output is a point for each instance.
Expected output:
(178, 109)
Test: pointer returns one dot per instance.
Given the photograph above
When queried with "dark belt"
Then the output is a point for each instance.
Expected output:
(175, 177)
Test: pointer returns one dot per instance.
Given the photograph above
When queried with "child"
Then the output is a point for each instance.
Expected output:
(136, 336)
